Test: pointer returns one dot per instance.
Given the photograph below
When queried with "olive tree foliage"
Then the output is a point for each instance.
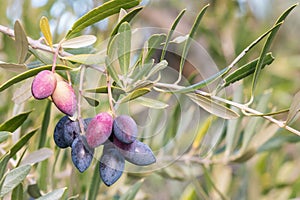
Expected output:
(204, 138)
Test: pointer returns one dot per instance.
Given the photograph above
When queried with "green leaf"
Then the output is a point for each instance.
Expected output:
(124, 47)
(14, 178)
(131, 193)
(103, 89)
(21, 142)
(3, 163)
(213, 107)
(17, 193)
(95, 183)
(151, 103)
(37, 156)
(294, 109)
(245, 156)
(101, 12)
(112, 72)
(135, 94)
(21, 42)
(187, 44)
(43, 56)
(79, 42)
(170, 33)
(12, 124)
(87, 59)
(54, 195)
(158, 67)
(91, 101)
(4, 135)
(13, 67)
(267, 45)
(246, 70)
(28, 74)
(127, 18)
(155, 42)
(45, 124)
(45, 28)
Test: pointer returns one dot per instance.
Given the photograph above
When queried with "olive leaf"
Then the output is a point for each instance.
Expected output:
(45, 28)
(213, 107)
(15, 122)
(21, 42)
(79, 42)
(101, 12)
(14, 178)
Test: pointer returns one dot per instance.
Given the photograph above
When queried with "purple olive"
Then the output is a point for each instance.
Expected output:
(111, 164)
(99, 129)
(125, 129)
(137, 152)
(82, 154)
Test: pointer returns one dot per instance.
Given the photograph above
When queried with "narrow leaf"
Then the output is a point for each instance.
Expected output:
(151, 103)
(155, 42)
(45, 28)
(131, 193)
(45, 124)
(103, 89)
(170, 34)
(4, 135)
(91, 101)
(15, 122)
(294, 108)
(37, 156)
(79, 42)
(101, 12)
(213, 107)
(112, 72)
(267, 45)
(28, 74)
(246, 70)
(95, 183)
(3, 163)
(158, 67)
(22, 141)
(21, 42)
(135, 94)
(23, 93)
(13, 67)
(127, 18)
(14, 178)
(54, 195)
(17, 193)
(189, 40)
(43, 56)
(87, 59)
(124, 47)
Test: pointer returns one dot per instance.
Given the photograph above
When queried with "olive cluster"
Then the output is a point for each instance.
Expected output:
(118, 136)
(48, 83)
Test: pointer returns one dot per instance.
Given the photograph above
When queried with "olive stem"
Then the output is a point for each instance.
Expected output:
(109, 93)
(80, 87)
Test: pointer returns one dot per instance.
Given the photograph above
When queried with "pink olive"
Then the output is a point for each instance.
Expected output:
(64, 98)
(43, 85)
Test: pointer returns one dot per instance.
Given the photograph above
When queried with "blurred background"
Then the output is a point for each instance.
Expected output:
(226, 29)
